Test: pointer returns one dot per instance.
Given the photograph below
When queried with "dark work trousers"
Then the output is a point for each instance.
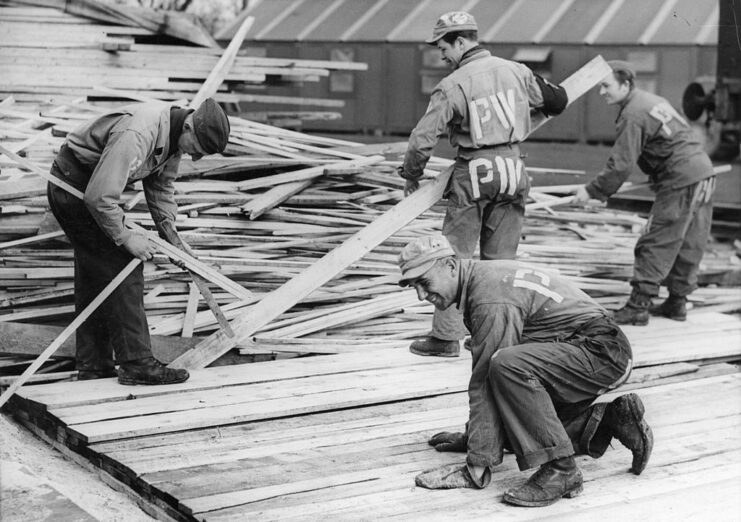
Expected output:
(489, 215)
(544, 392)
(671, 248)
(119, 324)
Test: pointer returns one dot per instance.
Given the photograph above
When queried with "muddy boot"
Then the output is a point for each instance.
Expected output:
(437, 347)
(624, 416)
(675, 307)
(554, 480)
(149, 371)
(635, 311)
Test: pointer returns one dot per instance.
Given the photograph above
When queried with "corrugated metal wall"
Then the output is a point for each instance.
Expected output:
(670, 41)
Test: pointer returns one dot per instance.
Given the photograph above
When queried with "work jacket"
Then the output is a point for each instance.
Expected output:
(485, 102)
(651, 133)
(106, 154)
(506, 303)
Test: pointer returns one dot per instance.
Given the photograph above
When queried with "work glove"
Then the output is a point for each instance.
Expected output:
(449, 441)
(581, 196)
(139, 246)
(411, 186)
(185, 248)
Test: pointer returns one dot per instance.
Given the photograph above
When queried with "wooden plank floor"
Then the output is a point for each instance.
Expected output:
(341, 437)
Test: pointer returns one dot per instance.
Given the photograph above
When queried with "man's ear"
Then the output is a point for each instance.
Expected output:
(450, 265)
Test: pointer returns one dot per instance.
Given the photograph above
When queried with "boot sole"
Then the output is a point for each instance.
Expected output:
(428, 354)
(131, 381)
(633, 323)
(635, 405)
(672, 317)
(542, 503)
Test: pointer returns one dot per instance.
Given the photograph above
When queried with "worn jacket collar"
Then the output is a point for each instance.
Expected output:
(474, 53)
(465, 266)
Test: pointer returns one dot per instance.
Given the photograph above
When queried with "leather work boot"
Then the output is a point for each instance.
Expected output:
(635, 311)
(88, 375)
(554, 480)
(436, 347)
(149, 371)
(625, 418)
(675, 307)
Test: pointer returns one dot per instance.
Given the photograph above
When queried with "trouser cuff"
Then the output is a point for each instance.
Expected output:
(596, 436)
(541, 456)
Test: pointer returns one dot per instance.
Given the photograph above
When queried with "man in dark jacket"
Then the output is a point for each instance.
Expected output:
(542, 352)
(484, 106)
(100, 158)
(651, 133)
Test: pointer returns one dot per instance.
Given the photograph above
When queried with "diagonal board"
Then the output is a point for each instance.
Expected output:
(280, 300)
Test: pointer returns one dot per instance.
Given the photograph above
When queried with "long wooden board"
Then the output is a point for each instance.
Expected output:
(354, 248)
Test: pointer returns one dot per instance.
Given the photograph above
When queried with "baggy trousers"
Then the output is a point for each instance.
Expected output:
(489, 216)
(671, 248)
(544, 394)
(119, 324)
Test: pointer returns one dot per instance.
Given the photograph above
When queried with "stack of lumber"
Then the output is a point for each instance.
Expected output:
(62, 49)
(276, 203)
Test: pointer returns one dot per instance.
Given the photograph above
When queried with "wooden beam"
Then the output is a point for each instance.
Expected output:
(222, 68)
(280, 300)
(82, 317)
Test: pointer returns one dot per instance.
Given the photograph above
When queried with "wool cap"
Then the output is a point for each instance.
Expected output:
(211, 126)
(621, 66)
(451, 22)
(420, 255)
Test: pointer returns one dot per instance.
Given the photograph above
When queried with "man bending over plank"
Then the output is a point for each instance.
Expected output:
(100, 158)
(542, 352)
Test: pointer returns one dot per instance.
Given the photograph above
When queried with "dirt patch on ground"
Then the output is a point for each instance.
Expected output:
(37, 482)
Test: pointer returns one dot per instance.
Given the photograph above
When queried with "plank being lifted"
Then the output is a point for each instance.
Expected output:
(280, 300)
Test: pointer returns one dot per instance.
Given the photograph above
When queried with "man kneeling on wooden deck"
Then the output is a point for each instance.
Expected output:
(100, 158)
(542, 351)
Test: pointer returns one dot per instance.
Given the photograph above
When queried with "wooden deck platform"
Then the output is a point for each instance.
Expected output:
(341, 437)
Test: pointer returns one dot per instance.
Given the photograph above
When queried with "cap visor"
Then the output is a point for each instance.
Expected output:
(433, 40)
(416, 272)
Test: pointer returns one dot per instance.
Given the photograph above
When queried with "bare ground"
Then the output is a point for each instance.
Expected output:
(38, 483)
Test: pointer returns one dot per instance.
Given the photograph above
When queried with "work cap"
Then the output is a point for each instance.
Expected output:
(211, 126)
(420, 255)
(451, 22)
(623, 67)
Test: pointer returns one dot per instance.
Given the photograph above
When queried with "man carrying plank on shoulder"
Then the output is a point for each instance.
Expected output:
(100, 158)
(542, 352)
(485, 106)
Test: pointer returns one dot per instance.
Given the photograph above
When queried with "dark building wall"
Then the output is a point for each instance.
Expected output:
(389, 96)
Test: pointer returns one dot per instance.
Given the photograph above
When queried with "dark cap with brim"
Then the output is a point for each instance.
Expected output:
(452, 22)
(420, 255)
(623, 67)
(211, 126)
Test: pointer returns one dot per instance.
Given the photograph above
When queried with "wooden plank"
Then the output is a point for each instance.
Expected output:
(83, 315)
(361, 243)
(216, 77)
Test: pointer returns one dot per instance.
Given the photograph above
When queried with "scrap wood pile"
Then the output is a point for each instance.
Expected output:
(264, 212)
(59, 50)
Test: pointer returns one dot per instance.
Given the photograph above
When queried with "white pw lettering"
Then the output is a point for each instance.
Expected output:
(503, 104)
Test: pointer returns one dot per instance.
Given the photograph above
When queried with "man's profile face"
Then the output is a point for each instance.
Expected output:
(613, 91)
(451, 53)
(188, 142)
(439, 285)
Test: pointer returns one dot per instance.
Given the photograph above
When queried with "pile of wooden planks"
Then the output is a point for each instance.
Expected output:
(90, 47)
(267, 211)
(297, 234)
